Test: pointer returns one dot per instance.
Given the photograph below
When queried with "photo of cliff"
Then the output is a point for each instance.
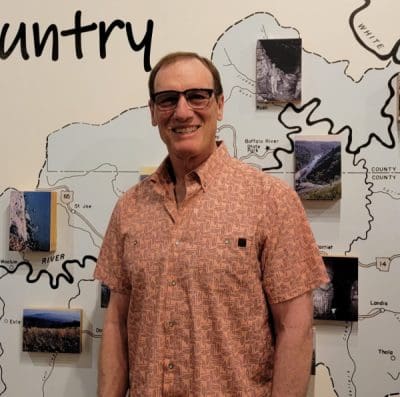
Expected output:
(278, 71)
(32, 221)
(338, 299)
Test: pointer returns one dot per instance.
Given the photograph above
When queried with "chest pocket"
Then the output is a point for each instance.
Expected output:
(230, 254)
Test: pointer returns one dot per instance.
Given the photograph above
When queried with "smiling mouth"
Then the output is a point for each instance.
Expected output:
(185, 130)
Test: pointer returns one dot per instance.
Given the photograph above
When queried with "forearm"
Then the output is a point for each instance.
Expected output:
(113, 363)
(292, 362)
(113, 378)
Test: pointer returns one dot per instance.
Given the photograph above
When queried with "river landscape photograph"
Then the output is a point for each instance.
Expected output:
(318, 168)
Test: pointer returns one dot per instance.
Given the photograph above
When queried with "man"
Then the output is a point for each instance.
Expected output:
(211, 263)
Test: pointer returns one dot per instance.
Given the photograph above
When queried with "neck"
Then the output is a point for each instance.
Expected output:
(181, 168)
(180, 191)
(183, 165)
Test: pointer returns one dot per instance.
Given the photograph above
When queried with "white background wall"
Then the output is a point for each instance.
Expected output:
(40, 96)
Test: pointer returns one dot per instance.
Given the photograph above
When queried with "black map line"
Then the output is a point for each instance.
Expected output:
(83, 173)
(387, 194)
(3, 306)
(234, 140)
(347, 67)
(347, 61)
(384, 114)
(392, 54)
(394, 377)
(296, 129)
(6, 190)
(44, 166)
(297, 110)
(46, 376)
(79, 290)
(391, 145)
(2, 383)
(242, 91)
(243, 77)
(376, 312)
(330, 375)
(367, 198)
(392, 394)
(69, 215)
(314, 104)
(348, 331)
(53, 281)
(91, 334)
(351, 358)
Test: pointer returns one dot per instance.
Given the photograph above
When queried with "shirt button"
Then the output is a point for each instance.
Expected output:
(170, 366)
(177, 242)
(173, 283)
(171, 324)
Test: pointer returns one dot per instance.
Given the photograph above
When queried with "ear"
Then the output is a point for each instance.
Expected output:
(152, 113)
(220, 107)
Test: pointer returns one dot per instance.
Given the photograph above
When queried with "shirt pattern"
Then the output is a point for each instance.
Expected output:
(199, 277)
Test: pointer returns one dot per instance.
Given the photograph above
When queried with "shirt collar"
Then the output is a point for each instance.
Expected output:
(208, 171)
(205, 173)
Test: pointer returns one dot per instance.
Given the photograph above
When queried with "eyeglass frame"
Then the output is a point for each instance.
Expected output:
(210, 92)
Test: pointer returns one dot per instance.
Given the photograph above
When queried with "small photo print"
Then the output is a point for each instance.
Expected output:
(104, 295)
(33, 221)
(338, 299)
(52, 330)
(278, 71)
(318, 167)
(398, 98)
(145, 172)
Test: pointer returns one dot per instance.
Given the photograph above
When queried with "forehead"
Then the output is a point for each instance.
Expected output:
(183, 74)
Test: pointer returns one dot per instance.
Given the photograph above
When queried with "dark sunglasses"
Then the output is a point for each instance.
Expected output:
(196, 98)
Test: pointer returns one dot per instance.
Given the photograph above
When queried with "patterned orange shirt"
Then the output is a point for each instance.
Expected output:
(199, 277)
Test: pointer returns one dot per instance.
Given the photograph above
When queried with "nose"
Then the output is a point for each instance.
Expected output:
(182, 110)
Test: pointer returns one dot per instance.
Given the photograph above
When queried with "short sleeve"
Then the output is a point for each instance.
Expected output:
(110, 268)
(291, 261)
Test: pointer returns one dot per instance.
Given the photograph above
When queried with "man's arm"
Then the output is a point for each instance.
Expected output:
(293, 351)
(113, 363)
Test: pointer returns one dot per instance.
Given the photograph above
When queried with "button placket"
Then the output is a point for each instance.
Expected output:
(171, 299)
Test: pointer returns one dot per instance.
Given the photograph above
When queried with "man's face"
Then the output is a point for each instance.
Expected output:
(188, 133)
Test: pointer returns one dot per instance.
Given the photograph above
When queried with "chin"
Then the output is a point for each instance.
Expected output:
(185, 151)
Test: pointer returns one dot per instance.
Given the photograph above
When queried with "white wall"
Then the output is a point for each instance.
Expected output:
(41, 96)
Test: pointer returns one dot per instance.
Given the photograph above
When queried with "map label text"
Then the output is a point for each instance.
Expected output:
(378, 303)
(52, 258)
(383, 351)
(370, 36)
(52, 36)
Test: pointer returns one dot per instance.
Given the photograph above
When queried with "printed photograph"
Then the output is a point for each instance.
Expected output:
(278, 71)
(338, 299)
(318, 168)
(52, 330)
(398, 98)
(33, 221)
(144, 172)
(104, 295)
